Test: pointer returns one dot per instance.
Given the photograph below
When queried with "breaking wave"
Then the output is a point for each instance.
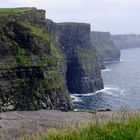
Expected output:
(107, 90)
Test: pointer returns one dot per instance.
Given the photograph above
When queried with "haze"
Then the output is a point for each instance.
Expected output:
(116, 16)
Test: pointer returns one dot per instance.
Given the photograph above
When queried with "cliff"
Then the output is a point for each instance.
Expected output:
(41, 62)
(126, 41)
(30, 74)
(81, 69)
(105, 47)
(83, 73)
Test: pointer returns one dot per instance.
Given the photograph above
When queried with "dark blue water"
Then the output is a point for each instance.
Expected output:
(122, 85)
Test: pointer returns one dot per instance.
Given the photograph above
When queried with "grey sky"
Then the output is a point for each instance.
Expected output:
(116, 16)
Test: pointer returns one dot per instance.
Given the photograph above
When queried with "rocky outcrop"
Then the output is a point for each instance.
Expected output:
(83, 71)
(126, 41)
(30, 74)
(41, 62)
(105, 47)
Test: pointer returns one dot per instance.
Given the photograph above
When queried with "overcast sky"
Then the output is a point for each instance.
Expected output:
(116, 16)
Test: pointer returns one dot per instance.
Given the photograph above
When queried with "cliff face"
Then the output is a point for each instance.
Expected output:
(105, 47)
(126, 41)
(83, 71)
(30, 74)
(41, 61)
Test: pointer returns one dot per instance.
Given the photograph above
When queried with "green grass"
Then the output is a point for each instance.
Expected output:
(21, 56)
(13, 10)
(122, 130)
(36, 30)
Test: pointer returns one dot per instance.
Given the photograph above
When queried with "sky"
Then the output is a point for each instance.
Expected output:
(115, 16)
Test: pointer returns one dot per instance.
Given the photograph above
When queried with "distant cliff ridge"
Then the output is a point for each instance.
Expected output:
(41, 62)
(105, 47)
(126, 41)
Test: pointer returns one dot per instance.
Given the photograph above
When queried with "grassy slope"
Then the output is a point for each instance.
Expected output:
(4, 12)
(8, 10)
(122, 130)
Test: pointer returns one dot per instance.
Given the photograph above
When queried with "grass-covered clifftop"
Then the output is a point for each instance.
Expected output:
(9, 10)
(105, 47)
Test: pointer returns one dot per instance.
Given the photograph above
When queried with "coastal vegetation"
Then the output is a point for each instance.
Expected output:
(128, 129)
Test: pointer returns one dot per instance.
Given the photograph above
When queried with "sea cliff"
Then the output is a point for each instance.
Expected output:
(126, 41)
(105, 47)
(42, 62)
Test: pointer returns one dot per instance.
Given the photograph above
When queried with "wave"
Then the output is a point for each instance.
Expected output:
(75, 98)
(121, 60)
(107, 90)
(106, 70)
(113, 91)
(127, 60)
(83, 95)
(110, 62)
(110, 91)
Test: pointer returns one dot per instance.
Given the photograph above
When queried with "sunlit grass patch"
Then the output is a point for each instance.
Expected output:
(13, 10)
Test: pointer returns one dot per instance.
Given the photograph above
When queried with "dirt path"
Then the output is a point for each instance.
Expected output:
(16, 124)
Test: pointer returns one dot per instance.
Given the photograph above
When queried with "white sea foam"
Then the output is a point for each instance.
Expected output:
(109, 90)
(121, 60)
(123, 92)
(106, 70)
(106, 90)
(75, 98)
(84, 95)
(112, 91)
(127, 60)
(109, 62)
(76, 110)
